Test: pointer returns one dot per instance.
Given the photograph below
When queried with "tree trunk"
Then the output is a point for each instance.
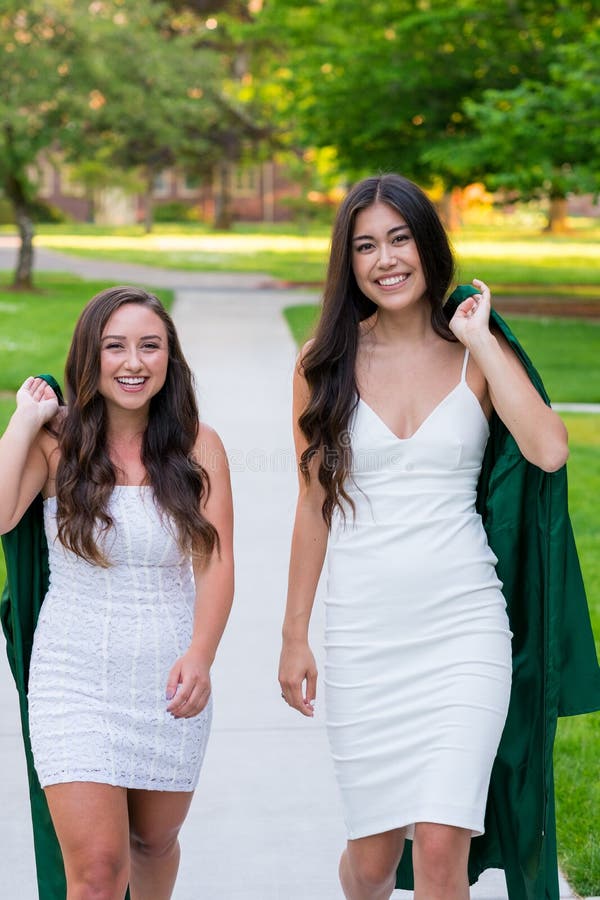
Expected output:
(23, 272)
(90, 196)
(15, 192)
(557, 216)
(223, 216)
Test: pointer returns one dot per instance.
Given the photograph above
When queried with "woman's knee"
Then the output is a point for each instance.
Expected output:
(154, 843)
(440, 852)
(371, 869)
(98, 875)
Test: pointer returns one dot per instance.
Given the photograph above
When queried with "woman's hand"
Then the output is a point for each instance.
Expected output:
(36, 398)
(297, 667)
(471, 320)
(188, 685)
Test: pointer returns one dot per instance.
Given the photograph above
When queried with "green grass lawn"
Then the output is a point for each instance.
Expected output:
(513, 260)
(565, 351)
(577, 749)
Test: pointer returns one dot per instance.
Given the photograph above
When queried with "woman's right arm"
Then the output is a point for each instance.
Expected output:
(297, 668)
(23, 463)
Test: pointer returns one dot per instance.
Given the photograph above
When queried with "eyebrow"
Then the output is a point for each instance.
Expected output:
(123, 337)
(362, 237)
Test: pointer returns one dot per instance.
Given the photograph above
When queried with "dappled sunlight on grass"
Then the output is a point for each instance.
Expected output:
(215, 243)
(528, 250)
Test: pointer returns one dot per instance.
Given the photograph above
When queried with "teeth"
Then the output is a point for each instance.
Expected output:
(131, 380)
(390, 282)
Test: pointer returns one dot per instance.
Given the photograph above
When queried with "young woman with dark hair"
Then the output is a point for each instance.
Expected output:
(392, 404)
(138, 520)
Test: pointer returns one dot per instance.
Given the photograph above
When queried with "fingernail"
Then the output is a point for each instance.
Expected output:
(170, 694)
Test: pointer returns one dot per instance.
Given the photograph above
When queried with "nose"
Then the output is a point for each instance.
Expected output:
(133, 361)
(387, 256)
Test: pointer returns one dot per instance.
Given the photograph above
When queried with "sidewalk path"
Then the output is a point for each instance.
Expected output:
(266, 822)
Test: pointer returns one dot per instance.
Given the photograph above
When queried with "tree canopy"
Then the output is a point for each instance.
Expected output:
(130, 86)
(413, 86)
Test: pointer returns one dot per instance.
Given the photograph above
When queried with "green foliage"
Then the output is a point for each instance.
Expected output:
(112, 87)
(173, 211)
(36, 77)
(540, 137)
(393, 87)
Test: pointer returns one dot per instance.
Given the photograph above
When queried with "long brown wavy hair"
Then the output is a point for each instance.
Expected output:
(329, 363)
(86, 475)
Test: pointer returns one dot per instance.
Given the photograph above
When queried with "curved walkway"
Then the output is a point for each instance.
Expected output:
(266, 822)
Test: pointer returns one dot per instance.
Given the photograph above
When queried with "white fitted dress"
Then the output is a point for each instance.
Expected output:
(104, 644)
(418, 655)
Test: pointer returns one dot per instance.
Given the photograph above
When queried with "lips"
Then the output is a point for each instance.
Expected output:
(131, 382)
(392, 280)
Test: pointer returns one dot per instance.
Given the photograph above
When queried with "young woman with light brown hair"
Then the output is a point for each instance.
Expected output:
(138, 521)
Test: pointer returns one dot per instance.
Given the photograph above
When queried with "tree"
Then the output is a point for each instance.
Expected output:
(538, 139)
(37, 82)
(387, 83)
(145, 110)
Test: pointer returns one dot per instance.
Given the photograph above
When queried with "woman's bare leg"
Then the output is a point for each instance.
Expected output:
(440, 856)
(91, 823)
(368, 865)
(155, 818)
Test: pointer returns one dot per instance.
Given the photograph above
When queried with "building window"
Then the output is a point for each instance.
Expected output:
(245, 181)
(188, 186)
(161, 186)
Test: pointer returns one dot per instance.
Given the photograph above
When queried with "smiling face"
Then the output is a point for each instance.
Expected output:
(385, 258)
(134, 357)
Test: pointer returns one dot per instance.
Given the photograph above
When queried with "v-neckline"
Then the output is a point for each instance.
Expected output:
(425, 420)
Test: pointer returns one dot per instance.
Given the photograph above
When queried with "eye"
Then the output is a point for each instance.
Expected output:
(113, 345)
(150, 345)
(401, 238)
(361, 248)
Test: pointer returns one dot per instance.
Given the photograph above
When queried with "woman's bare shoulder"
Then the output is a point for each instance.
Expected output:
(209, 449)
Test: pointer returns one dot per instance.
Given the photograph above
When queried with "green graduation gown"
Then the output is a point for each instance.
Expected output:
(555, 668)
(26, 555)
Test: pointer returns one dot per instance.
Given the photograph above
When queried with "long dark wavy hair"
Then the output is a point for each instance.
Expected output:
(329, 363)
(86, 475)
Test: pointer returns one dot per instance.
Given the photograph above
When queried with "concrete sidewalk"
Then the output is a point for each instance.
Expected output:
(266, 822)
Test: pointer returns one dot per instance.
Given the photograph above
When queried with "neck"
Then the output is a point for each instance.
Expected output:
(406, 326)
(125, 427)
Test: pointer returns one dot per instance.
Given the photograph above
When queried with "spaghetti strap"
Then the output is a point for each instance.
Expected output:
(463, 374)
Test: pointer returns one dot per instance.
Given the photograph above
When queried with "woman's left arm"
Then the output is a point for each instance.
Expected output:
(188, 686)
(537, 429)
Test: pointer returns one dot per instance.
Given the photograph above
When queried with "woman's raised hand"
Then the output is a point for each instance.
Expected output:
(36, 397)
(471, 319)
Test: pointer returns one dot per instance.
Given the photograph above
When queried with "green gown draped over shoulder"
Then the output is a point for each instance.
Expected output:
(555, 668)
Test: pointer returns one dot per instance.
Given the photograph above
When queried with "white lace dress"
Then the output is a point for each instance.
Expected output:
(103, 647)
